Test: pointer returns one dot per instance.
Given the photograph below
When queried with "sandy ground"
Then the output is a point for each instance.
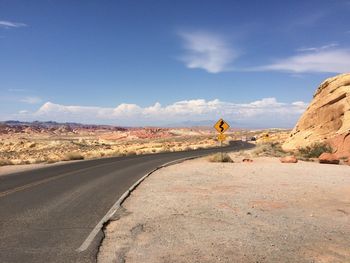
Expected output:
(235, 212)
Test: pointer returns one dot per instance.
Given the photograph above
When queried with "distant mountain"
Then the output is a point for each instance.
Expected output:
(56, 125)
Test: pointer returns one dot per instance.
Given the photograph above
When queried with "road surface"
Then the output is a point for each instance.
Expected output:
(46, 214)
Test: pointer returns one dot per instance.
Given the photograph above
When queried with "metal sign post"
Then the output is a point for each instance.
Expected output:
(221, 126)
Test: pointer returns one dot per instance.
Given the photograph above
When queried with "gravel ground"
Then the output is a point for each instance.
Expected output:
(264, 211)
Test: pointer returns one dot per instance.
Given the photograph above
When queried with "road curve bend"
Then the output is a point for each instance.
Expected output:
(46, 214)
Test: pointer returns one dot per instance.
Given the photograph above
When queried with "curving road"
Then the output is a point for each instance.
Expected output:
(46, 214)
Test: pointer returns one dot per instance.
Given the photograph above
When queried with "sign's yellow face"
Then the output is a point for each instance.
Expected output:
(221, 126)
(221, 137)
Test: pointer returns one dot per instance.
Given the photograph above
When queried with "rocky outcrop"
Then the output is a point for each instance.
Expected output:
(289, 159)
(328, 158)
(327, 119)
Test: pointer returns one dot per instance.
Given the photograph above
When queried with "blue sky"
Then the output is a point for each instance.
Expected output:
(255, 63)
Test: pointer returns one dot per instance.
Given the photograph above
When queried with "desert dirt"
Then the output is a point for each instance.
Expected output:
(263, 211)
(36, 143)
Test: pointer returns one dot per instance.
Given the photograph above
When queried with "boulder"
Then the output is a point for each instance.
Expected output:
(289, 159)
(247, 160)
(327, 116)
(341, 146)
(329, 158)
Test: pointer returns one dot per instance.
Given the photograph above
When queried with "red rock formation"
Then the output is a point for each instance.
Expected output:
(327, 119)
(289, 159)
(328, 158)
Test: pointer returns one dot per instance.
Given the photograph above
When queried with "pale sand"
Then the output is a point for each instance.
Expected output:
(264, 211)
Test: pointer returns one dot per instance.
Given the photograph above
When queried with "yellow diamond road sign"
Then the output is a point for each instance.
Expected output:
(221, 126)
(221, 137)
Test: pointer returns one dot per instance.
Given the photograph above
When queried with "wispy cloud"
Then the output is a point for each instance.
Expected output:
(9, 24)
(214, 54)
(317, 49)
(267, 109)
(318, 60)
(31, 100)
(207, 51)
(16, 90)
(309, 20)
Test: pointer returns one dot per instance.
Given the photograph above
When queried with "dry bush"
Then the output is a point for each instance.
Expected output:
(73, 156)
(117, 154)
(5, 162)
(314, 150)
(36, 161)
(51, 160)
(220, 158)
(273, 149)
(130, 153)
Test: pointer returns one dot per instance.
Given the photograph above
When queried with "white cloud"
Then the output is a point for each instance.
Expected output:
(31, 100)
(322, 60)
(213, 53)
(260, 111)
(15, 90)
(207, 51)
(317, 49)
(8, 24)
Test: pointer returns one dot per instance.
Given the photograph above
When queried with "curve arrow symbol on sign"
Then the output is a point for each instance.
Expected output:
(221, 125)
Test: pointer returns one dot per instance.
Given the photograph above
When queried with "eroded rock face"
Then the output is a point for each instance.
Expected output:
(327, 116)
(289, 159)
(328, 158)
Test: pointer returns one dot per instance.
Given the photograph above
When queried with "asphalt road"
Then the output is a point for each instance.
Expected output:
(46, 214)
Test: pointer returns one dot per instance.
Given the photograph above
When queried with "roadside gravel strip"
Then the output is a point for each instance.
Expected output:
(265, 211)
(105, 220)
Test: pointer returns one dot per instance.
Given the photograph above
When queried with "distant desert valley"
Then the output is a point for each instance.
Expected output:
(323, 128)
(49, 142)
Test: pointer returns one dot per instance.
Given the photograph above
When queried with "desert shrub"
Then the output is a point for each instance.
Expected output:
(116, 154)
(73, 156)
(270, 149)
(5, 162)
(166, 148)
(51, 160)
(36, 161)
(314, 150)
(25, 162)
(130, 153)
(220, 158)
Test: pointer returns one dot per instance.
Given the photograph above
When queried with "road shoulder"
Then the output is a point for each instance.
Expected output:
(243, 212)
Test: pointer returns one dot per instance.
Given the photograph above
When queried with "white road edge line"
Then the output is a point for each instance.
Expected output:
(117, 204)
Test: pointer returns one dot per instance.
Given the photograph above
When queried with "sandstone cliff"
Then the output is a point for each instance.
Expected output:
(327, 119)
